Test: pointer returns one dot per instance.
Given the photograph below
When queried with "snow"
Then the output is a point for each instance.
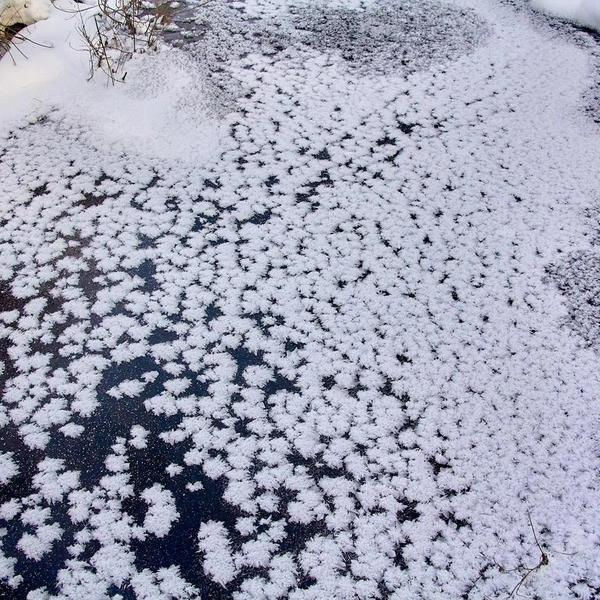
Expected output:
(162, 109)
(161, 512)
(8, 467)
(25, 12)
(304, 309)
(214, 543)
(36, 546)
(584, 12)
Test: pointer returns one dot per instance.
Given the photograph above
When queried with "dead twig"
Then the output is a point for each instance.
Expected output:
(9, 36)
(118, 30)
(529, 571)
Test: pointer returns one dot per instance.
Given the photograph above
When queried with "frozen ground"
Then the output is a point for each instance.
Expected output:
(306, 310)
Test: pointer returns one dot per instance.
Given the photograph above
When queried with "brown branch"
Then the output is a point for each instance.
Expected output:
(529, 571)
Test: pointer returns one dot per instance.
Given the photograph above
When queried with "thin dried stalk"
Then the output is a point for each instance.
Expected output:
(120, 29)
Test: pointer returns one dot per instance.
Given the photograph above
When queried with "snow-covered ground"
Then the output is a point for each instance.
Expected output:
(306, 309)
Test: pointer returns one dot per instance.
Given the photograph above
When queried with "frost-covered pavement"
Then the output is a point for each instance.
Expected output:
(342, 345)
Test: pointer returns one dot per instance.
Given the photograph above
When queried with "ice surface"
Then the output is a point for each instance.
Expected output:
(283, 320)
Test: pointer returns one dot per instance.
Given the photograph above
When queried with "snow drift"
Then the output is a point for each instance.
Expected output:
(23, 11)
(584, 12)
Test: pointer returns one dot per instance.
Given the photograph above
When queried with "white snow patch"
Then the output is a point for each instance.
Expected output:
(213, 541)
(162, 512)
(139, 437)
(34, 546)
(8, 467)
(72, 430)
(53, 481)
(114, 563)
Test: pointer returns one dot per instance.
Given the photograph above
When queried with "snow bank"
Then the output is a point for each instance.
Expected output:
(162, 110)
(584, 12)
(23, 11)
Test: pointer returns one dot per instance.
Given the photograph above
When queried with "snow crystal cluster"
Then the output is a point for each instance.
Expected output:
(333, 357)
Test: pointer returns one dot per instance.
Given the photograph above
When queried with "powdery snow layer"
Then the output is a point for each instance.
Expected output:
(344, 346)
